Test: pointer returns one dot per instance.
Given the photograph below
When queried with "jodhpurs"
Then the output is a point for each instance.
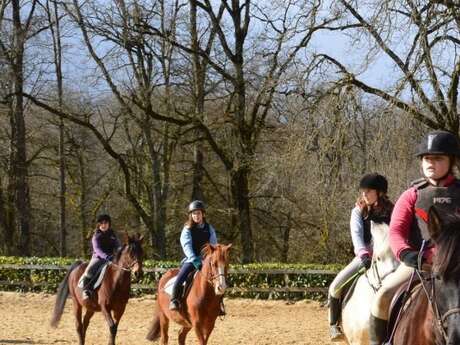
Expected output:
(381, 304)
(93, 267)
(184, 271)
(343, 276)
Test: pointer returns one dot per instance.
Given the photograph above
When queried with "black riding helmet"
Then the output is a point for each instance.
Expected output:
(104, 218)
(196, 205)
(439, 143)
(374, 181)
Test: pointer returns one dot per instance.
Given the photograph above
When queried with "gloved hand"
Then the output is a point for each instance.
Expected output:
(366, 261)
(197, 263)
(410, 258)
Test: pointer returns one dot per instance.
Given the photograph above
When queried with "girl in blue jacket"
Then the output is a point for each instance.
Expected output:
(195, 234)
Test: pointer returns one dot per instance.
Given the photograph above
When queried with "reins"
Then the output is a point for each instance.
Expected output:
(126, 269)
(431, 295)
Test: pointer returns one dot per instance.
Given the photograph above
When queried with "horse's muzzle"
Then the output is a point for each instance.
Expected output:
(220, 289)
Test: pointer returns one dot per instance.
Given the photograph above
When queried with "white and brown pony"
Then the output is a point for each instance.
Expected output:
(356, 312)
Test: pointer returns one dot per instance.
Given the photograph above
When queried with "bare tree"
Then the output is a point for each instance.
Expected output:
(426, 57)
(247, 106)
(54, 20)
(21, 26)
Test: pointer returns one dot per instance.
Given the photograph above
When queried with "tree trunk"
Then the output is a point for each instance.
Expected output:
(83, 214)
(198, 90)
(7, 206)
(53, 17)
(286, 235)
(240, 196)
(20, 168)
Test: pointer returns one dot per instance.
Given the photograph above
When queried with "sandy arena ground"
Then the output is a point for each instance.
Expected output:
(25, 320)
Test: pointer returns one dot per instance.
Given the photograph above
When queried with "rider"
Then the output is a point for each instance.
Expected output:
(372, 205)
(408, 228)
(104, 243)
(195, 234)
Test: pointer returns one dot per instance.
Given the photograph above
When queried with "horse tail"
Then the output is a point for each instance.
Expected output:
(154, 331)
(61, 296)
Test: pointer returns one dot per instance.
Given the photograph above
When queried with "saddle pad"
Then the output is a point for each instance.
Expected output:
(170, 283)
(99, 278)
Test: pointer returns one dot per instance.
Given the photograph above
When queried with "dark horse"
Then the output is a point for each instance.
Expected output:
(202, 303)
(433, 315)
(111, 297)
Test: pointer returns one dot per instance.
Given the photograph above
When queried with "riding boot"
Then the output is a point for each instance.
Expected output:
(174, 304)
(86, 287)
(377, 330)
(334, 319)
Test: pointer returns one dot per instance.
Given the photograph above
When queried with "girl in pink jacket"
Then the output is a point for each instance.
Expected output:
(408, 227)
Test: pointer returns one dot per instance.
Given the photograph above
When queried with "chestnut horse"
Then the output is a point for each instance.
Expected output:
(356, 312)
(111, 297)
(432, 315)
(202, 305)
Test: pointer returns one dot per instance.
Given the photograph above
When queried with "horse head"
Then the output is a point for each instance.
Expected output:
(444, 229)
(131, 254)
(215, 265)
(382, 256)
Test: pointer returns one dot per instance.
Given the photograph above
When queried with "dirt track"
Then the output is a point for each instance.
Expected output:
(25, 320)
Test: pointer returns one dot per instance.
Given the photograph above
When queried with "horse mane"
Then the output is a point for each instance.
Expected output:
(119, 252)
(446, 262)
(130, 242)
(208, 249)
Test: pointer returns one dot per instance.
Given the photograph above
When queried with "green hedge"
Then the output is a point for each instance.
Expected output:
(47, 280)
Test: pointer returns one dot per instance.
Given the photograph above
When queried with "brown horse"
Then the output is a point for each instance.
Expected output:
(433, 314)
(111, 297)
(202, 304)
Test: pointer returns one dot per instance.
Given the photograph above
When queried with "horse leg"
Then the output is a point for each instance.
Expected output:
(164, 326)
(200, 334)
(77, 310)
(88, 315)
(111, 323)
(208, 329)
(117, 314)
(183, 334)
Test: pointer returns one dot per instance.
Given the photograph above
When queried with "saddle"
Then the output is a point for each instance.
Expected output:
(186, 286)
(95, 281)
(401, 300)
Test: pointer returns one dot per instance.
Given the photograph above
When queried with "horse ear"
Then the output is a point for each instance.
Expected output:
(140, 237)
(434, 223)
(228, 246)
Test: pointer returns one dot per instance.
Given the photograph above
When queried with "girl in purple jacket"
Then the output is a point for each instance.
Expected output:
(104, 243)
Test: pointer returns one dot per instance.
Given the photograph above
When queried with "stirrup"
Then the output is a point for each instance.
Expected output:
(174, 305)
(336, 333)
(86, 294)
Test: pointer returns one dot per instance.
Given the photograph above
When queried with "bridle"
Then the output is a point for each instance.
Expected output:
(126, 269)
(430, 293)
(214, 276)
